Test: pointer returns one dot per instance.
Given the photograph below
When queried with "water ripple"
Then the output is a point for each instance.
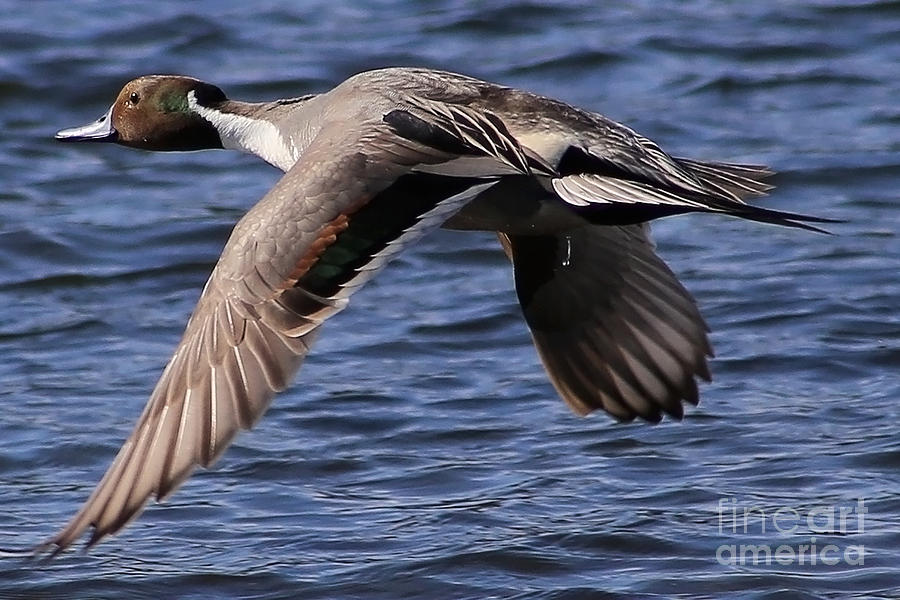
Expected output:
(422, 452)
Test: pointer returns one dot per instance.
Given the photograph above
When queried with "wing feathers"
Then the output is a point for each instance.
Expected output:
(587, 189)
(628, 179)
(461, 130)
(252, 329)
(612, 325)
(737, 180)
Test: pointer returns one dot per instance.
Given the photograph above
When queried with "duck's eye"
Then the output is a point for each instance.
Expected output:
(134, 98)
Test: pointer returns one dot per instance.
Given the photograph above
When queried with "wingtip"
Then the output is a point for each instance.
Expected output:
(46, 551)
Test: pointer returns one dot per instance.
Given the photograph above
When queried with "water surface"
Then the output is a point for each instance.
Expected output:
(422, 452)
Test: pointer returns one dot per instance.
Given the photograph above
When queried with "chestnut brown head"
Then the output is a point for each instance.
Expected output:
(155, 112)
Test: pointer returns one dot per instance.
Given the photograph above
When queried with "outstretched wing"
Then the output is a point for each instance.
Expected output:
(341, 213)
(613, 326)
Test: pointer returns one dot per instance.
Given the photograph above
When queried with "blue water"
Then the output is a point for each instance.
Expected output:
(422, 452)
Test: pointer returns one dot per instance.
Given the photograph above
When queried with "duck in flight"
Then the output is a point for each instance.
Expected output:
(370, 167)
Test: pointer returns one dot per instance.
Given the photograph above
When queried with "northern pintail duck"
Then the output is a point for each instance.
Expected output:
(370, 167)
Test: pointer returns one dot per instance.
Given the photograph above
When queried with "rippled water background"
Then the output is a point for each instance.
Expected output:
(422, 453)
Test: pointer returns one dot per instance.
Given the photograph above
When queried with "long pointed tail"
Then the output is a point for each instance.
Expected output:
(740, 181)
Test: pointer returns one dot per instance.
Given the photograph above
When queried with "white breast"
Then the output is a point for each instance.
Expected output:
(255, 136)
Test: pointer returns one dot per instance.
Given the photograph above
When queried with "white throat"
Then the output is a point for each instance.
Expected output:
(255, 136)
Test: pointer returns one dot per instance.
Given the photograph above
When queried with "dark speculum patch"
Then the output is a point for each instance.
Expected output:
(371, 228)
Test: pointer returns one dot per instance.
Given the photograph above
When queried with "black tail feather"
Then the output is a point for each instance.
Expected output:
(768, 215)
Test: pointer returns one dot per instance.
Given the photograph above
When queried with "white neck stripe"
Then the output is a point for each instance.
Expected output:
(255, 136)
